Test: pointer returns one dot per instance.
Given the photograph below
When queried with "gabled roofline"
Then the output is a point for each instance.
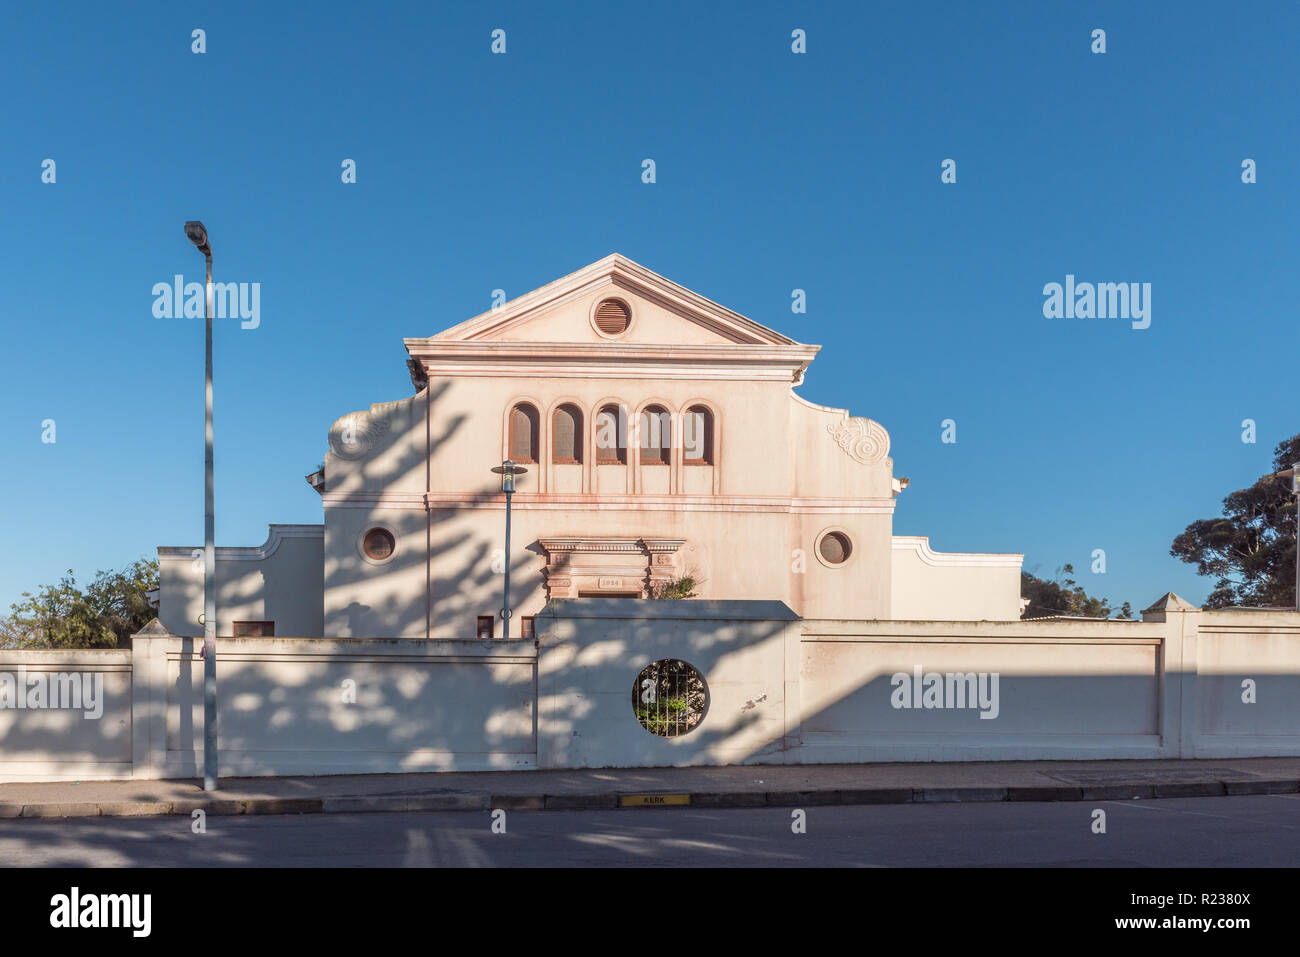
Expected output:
(615, 270)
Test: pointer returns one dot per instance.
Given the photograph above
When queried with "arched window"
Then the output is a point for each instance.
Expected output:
(611, 436)
(523, 433)
(656, 436)
(697, 436)
(566, 434)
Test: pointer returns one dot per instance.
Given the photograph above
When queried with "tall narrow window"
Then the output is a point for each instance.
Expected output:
(656, 436)
(697, 436)
(565, 432)
(486, 626)
(611, 436)
(523, 433)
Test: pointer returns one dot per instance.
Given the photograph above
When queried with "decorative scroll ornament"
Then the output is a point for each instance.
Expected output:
(864, 440)
(356, 433)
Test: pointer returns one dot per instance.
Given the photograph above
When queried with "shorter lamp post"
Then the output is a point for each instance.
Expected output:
(507, 470)
(1293, 473)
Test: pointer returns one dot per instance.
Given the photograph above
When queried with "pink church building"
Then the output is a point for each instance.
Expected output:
(665, 439)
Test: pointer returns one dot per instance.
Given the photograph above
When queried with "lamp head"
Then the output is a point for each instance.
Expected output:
(198, 235)
(508, 470)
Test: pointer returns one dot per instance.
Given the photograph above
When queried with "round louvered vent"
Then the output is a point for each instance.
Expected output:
(613, 317)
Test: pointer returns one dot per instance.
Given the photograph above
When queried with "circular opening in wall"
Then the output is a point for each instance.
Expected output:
(835, 548)
(612, 317)
(378, 544)
(670, 698)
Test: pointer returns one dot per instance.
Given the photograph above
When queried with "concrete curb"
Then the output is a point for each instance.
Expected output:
(730, 799)
(1045, 794)
(1120, 792)
(405, 802)
(950, 795)
(565, 802)
(1262, 787)
(366, 804)
(207, 805)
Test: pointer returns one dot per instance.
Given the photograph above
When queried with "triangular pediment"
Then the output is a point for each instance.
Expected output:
(661, 313)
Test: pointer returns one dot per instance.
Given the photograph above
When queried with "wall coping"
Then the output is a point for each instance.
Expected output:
(276, 534)
(920, 544)
(63, 656)
(1031, 629)
(243, 649)
(687, 609)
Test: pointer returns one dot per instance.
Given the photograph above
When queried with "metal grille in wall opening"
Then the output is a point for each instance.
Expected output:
(670, 698)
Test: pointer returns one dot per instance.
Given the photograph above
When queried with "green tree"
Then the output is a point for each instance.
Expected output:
(1063, 595)
(113, 606)
(1251, 549)
(683, 587)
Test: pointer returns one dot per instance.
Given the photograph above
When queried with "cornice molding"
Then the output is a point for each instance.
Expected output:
(562, 501)
(613, 360)
(611, 546)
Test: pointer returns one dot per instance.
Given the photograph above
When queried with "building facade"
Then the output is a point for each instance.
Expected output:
(664, 441)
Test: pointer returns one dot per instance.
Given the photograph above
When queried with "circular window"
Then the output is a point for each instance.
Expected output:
(670, 698)
(378, 544)
(612, 317)
(835, 548)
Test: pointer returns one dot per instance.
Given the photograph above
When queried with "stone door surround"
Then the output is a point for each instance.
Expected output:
(576, 565)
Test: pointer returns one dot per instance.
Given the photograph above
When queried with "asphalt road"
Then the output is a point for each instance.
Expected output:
(1198, 832)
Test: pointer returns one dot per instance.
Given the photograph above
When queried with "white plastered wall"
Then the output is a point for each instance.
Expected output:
(278, 581)
(953, 586)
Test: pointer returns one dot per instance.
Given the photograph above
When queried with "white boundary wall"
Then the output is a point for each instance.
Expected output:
(62, 744)
(781, 691)
(822, 691)
(1064, 690)
(285, 706)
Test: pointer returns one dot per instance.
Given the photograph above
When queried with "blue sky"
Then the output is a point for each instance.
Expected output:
(775, 171)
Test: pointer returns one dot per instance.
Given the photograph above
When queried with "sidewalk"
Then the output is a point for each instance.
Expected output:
(744, 786)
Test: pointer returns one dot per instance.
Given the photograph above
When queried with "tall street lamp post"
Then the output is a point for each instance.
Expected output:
(507, 470)
(198, 235)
